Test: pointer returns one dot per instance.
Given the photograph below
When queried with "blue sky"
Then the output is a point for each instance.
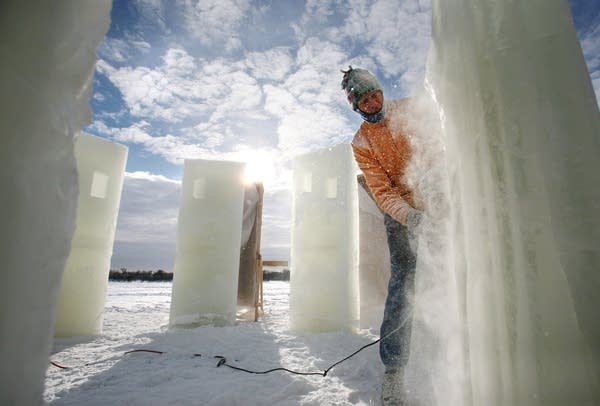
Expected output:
(253, 81)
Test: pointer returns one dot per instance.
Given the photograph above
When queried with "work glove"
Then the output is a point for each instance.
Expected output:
(413, 219)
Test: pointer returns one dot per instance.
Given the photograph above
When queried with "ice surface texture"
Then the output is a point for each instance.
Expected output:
(374, 261)
(101, 168)
(209, 232)
(324, 293)
(48, 58)
(520, 124)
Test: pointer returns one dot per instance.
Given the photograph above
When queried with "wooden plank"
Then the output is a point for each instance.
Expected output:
(258, 299)
(274, 262)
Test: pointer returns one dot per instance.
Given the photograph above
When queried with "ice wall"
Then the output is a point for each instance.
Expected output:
(48, 55)
(101, 168)
(324, 286)
(209, 232)
(521, 126)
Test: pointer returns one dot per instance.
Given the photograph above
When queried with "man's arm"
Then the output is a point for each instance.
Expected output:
(393, 200)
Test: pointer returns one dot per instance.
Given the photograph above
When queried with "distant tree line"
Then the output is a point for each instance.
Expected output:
(124, 275)
(283, 275)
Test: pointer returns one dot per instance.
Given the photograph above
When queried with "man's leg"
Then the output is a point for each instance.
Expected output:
(397, 315)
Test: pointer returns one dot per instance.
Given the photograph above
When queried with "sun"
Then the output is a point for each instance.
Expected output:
(260, 166)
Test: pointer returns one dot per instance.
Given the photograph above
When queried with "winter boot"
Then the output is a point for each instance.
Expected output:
(393, 392)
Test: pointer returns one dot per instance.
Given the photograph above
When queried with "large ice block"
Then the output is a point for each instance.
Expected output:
(521, 126)
(205, 279)
(324, 293)
(101, 168)
(48, 58)
(374, 258)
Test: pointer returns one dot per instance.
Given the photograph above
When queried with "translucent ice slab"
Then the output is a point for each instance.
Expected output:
(324, 292)
(205, 279)
(521, 125)
(101, 168)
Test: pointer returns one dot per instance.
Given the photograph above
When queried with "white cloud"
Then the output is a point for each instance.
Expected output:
(172, 148)
(307, 103)
(134, 134)
(319, 18)
(169, 92)
(400, 44)
(278, 101)
(211, 136)
(178, 63)
(393, 37)
(321, 55)
(277, 224)
(243, 95)
(116, 115)
(120, 50)
(184, 88)
(176, 149)
(147, 222)
(312, 128)
(143, 175)
(215, 22)
(149, 208)
(271, 65)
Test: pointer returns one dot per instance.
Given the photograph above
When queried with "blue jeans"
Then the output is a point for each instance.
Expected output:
(394, 349)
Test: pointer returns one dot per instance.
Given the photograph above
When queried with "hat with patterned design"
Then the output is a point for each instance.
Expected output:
(356, 83)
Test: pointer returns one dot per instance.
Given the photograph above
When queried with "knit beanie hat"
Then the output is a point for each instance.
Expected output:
(356, 83)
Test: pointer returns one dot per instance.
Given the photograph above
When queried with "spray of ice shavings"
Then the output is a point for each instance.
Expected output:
(436, 351)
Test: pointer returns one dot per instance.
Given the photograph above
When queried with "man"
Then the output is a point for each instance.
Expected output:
(382, 150)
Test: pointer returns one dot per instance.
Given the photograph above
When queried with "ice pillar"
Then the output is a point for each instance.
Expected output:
(48, 58)
(521, 125)
(209, 232)
(324, 292)
(374, 259)
(100, 167)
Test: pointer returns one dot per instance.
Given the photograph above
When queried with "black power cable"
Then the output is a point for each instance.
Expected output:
(223, 361)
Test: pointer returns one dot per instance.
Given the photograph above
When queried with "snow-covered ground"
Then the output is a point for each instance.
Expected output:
(136, 317)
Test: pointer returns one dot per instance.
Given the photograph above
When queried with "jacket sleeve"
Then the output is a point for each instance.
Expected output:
(393, 200)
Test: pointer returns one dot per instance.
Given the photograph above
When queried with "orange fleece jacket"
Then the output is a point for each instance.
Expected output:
(382, 152)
